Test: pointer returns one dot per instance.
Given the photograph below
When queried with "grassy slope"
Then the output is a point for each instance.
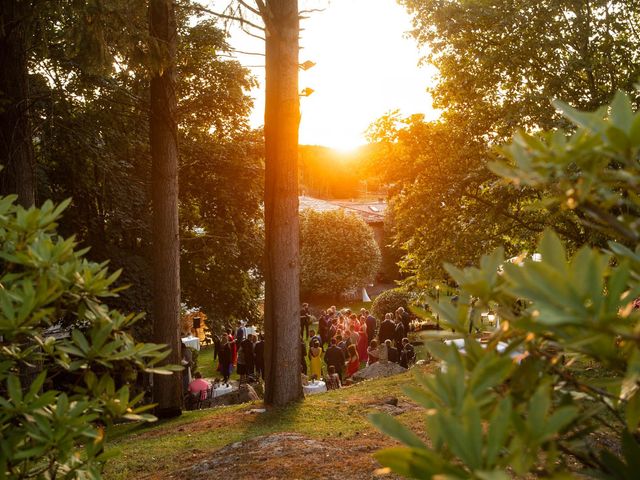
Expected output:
(165, 446)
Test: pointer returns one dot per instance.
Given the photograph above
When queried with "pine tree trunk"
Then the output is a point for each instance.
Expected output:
(164, 192)
(16, 142)
(282, 117)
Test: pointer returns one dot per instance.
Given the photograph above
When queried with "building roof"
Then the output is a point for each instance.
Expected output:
(371, 212)
(316, 204)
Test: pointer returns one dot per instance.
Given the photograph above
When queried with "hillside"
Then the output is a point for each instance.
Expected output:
(325, 436)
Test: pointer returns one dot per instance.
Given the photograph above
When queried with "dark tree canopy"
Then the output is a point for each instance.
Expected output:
(92, 145)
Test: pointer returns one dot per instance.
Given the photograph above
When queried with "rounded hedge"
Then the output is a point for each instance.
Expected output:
(389, 301)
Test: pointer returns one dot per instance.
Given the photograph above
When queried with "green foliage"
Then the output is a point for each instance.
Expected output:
(389, 301)
(56, 394)
(489, 415)
(499, 63)
(93, 146)
(338, 252)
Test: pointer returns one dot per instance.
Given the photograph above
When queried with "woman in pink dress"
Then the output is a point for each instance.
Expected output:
(353, 361)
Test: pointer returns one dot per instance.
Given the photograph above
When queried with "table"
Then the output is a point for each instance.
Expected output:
(222, 390)
(314, 387)
(516, 355)
(191, 341)
(500, 347)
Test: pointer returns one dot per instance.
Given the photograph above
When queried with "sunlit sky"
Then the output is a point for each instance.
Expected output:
(365, 66)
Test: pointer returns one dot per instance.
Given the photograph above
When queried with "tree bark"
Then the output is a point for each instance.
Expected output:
(16, 140)
(167, 390)
(282, 270)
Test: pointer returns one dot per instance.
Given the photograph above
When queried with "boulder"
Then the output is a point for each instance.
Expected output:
(378, 370)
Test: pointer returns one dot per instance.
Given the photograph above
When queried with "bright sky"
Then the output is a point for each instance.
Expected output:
(365, 67)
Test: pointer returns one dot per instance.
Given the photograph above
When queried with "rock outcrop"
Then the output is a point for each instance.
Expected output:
(378, 370)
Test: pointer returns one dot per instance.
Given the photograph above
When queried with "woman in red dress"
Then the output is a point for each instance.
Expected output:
(234, 347)
(353, 361)
(353, 320)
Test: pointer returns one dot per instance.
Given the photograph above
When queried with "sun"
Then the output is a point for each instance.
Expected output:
(363, 69)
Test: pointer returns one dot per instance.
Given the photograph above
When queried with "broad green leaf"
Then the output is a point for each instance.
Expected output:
(590, 121)
(492, 475)
(559, 420)
(473, 427)
(622, 111)
(411, 463)
(389, 425)
(552, 251)
(499, 426)
(631, 451)
(538, 408)
(632, 411)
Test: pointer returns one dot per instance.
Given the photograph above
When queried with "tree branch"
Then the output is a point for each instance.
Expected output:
(248, 53)
(240, 18)
(265, 14)
(252, 34)
(249, 7)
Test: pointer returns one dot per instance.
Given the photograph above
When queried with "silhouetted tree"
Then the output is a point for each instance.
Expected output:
(164, 193)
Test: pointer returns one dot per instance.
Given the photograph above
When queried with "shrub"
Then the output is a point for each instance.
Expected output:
(338, 252)
(56, 395)
(389, 301)
(495, 414)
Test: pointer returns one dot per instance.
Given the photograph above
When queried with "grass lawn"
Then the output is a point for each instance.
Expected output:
(161, 448)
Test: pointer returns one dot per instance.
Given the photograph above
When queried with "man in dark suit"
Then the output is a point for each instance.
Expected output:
(398, 334)
(241, 334)
(372, 325)
(335, 357)
(303, 356)
(392, 352)
(387, 330)
(258, 356)
(404, 317)
(249, 354)
(305, 320)
(408, 354)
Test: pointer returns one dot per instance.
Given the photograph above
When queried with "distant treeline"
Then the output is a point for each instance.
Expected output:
(331, 174)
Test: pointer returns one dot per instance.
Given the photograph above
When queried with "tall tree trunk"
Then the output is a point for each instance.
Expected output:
(282, 270)
(16, 142)
(164, 193)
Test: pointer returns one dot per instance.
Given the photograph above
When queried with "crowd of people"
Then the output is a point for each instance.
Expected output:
(243, 350)
(344, 343)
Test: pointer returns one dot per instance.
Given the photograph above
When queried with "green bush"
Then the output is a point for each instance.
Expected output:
(389, 301)
(338, 252)
(491, 416)
(57, 395)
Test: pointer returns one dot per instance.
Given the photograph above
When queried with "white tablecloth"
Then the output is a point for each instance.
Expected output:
(193, 342)
(222, 390)
(500, 348)
(313, 388)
